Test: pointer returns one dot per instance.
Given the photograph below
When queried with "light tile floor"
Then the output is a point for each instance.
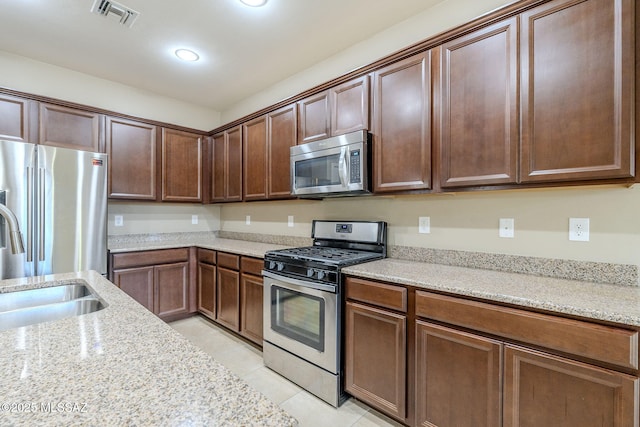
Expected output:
(246, 361)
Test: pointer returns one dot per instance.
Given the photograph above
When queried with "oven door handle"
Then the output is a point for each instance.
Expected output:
(303, 283)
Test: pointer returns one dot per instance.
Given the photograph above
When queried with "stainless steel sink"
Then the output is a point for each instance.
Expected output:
(22, 308)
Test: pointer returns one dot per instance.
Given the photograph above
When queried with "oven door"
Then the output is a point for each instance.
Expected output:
(302, 320)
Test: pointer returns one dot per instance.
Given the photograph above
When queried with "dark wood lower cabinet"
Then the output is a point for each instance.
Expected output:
(458, 378)
(251, 290)
(375, 357)
(137, 283)
(207, 289)
(545, 390)
(228, 298)
(172, 289)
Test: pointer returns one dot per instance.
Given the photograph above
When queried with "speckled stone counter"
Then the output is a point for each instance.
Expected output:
(118, 366)
(614, 303)
(129, 243)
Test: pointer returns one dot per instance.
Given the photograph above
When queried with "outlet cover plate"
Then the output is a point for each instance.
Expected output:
(119, 221)
(579, 229)
(424, 225)
(507, 227)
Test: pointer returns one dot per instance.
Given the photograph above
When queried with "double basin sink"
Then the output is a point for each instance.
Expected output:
(32, 306)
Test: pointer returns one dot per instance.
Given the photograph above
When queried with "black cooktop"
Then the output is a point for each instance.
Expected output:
(336, 256)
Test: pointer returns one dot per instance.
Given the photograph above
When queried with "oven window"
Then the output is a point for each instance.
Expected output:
(318, 172)
(298, 316)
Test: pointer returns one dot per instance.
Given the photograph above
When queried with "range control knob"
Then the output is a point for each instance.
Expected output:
(320, 274)
(310, 272)
(272, 265)
(280, 266)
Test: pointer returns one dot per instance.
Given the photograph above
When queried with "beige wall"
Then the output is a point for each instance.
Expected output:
(469, 221)
(26, 75)
(142, 218)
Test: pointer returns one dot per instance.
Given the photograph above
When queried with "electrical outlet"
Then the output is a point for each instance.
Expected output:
(194, 219)
(119, 221)
(290, 221)
(424, 225)
(507, 227)
(247, 220)
(579, 229)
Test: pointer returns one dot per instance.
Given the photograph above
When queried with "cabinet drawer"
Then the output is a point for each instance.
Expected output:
(598, 342)
(163, 256)
(207, 256)
(388, 296)
(227, 260)
(252, 265)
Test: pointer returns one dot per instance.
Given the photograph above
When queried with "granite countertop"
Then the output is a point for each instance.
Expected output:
(240, 247)
(612, 303)
(121, 365)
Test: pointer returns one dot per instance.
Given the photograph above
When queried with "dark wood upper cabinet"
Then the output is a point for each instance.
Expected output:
(132, 151)
(226, 164)
(478, 114)
(282, 125)
(350, 106)
(314, 118)
(336, 111)
(15, 119)
(181, 166)
(254, 139)
(577, 85)
(267, 139)
(71, 128)
(402, 125)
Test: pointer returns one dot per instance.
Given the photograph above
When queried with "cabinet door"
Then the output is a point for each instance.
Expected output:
(402, 125)
(545, 390)
(218, 167)
(350, 106)
(313, 118)
(282, 126)
(132, 153)
(172, 289)
(479, 110)
(15, 119)
(251, 291)
(71, 128)
(207, 289)
(234, 165)
(137, 283)
(254, 138)
(577, 90)
(228, 301)
(181, 166)
(375, 358)
(458, 378)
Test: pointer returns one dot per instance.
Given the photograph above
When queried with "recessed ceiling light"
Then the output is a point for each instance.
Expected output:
(254, 3)
(187, 55)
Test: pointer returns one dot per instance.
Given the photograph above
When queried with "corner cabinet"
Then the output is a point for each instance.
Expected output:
(577, 87)
(402, 125)
(342, 109)
(226, 166)
(133, 153)
(181, 166)
(268, 139)
(160, 280)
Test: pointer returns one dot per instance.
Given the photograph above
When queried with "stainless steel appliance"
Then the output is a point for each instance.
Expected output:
(58, 197)
(336, 166)
(303, 303)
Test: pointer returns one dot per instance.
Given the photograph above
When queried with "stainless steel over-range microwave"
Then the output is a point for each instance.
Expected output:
(336, 166)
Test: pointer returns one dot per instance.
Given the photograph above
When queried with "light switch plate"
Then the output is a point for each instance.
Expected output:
(247, 220)
(194, 219)
(507, 227)
(119, 221)
(290, 221)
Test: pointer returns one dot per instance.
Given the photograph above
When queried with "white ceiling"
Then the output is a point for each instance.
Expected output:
(243, 49)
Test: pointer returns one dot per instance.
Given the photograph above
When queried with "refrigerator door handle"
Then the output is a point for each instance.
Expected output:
(29, 214)
(41, 213)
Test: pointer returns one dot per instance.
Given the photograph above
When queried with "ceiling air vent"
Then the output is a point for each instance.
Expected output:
(123, 14)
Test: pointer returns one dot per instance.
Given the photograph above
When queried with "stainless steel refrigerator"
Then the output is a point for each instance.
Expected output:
(58, 198)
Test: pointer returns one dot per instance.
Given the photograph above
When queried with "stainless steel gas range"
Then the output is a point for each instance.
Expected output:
(304, 301)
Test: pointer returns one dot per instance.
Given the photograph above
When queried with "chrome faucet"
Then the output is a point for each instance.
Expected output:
(15, 236)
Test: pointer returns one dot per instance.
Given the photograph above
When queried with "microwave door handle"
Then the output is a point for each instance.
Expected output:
(343, 167)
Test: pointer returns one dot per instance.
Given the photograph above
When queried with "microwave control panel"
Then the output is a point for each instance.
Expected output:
(354, 166)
